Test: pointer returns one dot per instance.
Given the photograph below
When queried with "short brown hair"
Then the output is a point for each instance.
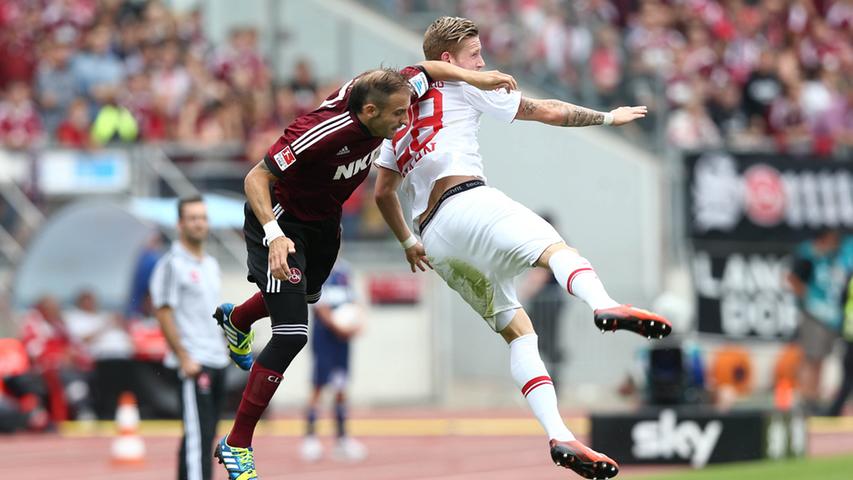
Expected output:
(185, 200)
(445, 34)
(374, 86)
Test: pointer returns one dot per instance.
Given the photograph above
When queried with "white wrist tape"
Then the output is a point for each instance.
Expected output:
(608, 118)
(272, 231)
(409, 242)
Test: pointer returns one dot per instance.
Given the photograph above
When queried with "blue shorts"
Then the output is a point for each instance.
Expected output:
(331, 365)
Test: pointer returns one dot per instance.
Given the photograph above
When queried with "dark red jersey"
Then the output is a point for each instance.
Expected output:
(324, 155)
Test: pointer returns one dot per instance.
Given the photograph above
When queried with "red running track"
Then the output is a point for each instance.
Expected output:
(51, 456)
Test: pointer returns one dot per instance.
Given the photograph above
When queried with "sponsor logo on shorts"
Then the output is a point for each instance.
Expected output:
(284, 158)
(273, 379)
(295, 276)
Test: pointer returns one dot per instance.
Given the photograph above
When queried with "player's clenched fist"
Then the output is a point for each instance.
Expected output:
(623, 115)
(492, 80)
(280, 248)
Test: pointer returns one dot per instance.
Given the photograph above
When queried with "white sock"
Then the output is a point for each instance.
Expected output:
(532, 378)
(576, 274)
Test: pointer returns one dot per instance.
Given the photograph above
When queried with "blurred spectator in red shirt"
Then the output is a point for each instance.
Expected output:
(20, 125)
(19, 28)
(241, 55)
(60, 361)
(46, 338)
(73, 132)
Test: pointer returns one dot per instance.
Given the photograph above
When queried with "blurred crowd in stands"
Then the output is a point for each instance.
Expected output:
(771, 75)
(83, 73)
(748, 74)
(73, 363)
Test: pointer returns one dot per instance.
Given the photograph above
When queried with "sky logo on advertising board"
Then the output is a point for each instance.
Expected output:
(667, 438)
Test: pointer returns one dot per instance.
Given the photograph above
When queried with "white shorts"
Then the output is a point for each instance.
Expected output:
(479, 241)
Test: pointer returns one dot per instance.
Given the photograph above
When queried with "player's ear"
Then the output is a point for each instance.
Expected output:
(370, 109)
(445, 57)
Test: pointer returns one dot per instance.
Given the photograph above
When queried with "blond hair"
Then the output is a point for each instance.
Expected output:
(445, 34)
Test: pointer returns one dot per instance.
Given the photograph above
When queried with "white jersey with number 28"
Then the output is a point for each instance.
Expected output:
(440, 139)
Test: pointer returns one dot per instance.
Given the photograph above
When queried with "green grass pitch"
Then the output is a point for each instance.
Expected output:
(826, 468)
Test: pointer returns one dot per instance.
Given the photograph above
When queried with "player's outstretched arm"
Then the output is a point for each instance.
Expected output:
(564, 114)
(490, 80)
(257, 187)
(385, 194)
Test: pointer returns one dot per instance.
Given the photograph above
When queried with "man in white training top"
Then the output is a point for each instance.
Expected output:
(478, 239)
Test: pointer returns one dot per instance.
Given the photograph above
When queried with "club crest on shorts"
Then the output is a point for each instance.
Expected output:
(295, 276)
(203, 382)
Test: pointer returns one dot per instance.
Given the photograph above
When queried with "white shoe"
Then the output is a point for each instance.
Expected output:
(311, 449)
(350, 450)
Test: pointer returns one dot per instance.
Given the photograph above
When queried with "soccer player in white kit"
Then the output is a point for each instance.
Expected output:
(478, 239)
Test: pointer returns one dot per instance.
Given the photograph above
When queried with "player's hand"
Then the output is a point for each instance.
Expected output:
(280, 248)
(416, 256)
(493, 80)
(623, 115)
(190, 368)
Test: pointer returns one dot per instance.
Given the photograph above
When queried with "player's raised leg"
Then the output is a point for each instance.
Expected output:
(289, 318)
(577, 275)
(236, 323)
(532, 378)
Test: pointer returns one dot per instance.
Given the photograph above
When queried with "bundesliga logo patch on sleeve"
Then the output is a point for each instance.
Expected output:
(419, 84)
(284, 158)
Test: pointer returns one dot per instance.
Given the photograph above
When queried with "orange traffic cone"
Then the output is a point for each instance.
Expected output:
(128, 447)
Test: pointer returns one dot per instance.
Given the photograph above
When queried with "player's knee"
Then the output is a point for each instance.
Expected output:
(281, 350)
(313, 297)
(553, 249)
(289, 342)
(289, 315)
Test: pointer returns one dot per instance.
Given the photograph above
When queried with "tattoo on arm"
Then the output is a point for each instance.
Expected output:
(576, 116)
(526, 108)
(558, 113)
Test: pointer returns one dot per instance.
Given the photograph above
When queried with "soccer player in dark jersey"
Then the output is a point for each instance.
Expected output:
(293, 234)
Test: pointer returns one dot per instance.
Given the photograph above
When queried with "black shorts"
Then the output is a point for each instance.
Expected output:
(317, 244)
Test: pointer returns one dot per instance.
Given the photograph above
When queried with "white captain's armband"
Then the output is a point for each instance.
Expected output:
(419, 84)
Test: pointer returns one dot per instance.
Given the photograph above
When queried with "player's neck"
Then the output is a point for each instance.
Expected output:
(364, 124)
(196, 249)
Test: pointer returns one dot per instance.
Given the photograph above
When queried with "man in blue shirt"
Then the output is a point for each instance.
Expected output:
(337, 320)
